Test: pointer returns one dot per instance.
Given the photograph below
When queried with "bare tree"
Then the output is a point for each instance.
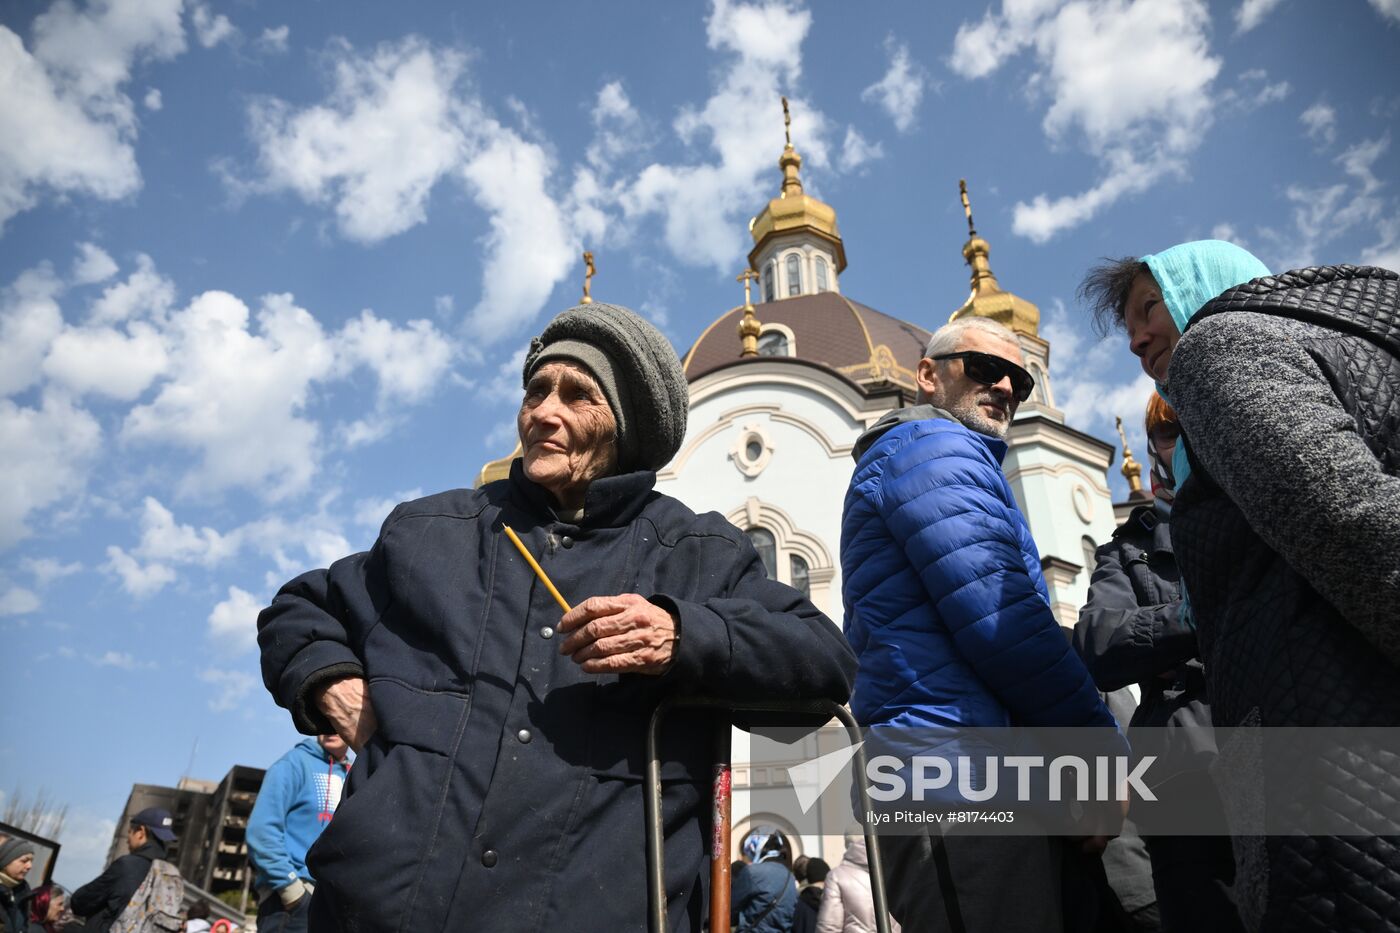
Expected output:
(40, 816)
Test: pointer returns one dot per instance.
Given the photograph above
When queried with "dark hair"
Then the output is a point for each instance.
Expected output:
(1105, 290)
(198, 911)
(799, 868)
(817, 870)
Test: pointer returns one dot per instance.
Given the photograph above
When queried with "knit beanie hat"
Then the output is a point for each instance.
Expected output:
(12, 848)
(637, 369)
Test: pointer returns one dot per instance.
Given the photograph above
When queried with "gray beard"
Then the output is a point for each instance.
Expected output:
(969, 413)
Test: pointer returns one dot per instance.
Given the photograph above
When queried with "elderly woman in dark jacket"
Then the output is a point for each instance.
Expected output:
(501, 742)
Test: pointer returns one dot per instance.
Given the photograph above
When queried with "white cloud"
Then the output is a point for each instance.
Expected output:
(901, 90)
(1390, 9)
(152, 100)
(529, 248)
(386, 135)
(140, 580)
(1320, 123)
(231, 382)
(1140, 108)
(18, 601)
(409, 361)
(233, 623)
(274, 39)
(105, 361)
(163, 538)
(1322, 214)
(45, 570)
(211, 28)
(48, 452)
(619, 131)
(1042, 218)
(1256, 90)
(1227, 232)
(65, 123)
(705, 205)
(1253, 12)
(370, 513)
(231, 688)
(857, 150)
(122, 660)
(30, 319)
(93, 265)
(145, 293)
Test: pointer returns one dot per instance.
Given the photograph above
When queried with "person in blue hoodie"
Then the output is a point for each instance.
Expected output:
(948, 612)
(297, 800)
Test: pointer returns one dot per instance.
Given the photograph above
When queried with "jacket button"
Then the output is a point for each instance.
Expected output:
(566, 541)
(488, 858)
(546, 632)
(524, 736)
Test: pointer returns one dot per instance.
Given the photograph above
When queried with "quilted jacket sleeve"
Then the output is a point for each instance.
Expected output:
(946, 504)
(1264, 421)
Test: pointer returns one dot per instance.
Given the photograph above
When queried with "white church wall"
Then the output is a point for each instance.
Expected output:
(1065, 498)
(796, 484)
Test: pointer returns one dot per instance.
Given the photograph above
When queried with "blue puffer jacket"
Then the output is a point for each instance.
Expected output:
(945, 603)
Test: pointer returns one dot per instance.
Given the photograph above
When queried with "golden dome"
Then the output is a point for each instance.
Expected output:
(987, 298)
(794, 211)
(497, 469)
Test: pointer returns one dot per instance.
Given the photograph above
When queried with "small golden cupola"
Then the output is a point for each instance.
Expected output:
(987, 298)
(797, 248)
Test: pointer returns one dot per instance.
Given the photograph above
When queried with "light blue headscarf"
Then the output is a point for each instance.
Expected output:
(1190, 275)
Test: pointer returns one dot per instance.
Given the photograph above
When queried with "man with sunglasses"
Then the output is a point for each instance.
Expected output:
(948, 612)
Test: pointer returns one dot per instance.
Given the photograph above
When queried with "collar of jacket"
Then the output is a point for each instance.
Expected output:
(610, 502)
(1145, 522)
(1354, 299)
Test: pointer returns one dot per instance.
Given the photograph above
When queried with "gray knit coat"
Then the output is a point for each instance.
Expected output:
(1288, 538)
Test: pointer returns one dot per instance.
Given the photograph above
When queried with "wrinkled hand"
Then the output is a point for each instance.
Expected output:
(346, 704)
(619, 634)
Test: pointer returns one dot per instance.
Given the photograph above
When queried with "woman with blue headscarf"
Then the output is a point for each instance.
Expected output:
(765, 892)
(1286, 527)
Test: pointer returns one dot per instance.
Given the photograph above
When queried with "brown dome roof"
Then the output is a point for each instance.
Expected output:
(862, 344)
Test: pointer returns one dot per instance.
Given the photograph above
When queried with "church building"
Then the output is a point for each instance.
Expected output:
(780, 391)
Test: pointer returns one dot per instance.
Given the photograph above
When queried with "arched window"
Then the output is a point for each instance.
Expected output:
(1041, 393)
(773, 343)
(797, 572)
(794, 274)
(822, 283)
(1089, 548)
(767, 547)
(768, 293)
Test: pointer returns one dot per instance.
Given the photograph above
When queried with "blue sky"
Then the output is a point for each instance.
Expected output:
(266, 269)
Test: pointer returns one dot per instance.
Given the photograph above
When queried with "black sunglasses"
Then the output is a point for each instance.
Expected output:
(989, 370)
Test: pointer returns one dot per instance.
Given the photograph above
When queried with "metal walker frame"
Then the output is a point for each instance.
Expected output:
(720, 830)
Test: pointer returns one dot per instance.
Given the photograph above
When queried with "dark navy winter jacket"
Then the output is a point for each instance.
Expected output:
(503, 788)
(946, 606)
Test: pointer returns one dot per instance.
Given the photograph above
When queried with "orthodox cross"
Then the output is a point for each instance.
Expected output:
(588, 273)
(967, 206)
